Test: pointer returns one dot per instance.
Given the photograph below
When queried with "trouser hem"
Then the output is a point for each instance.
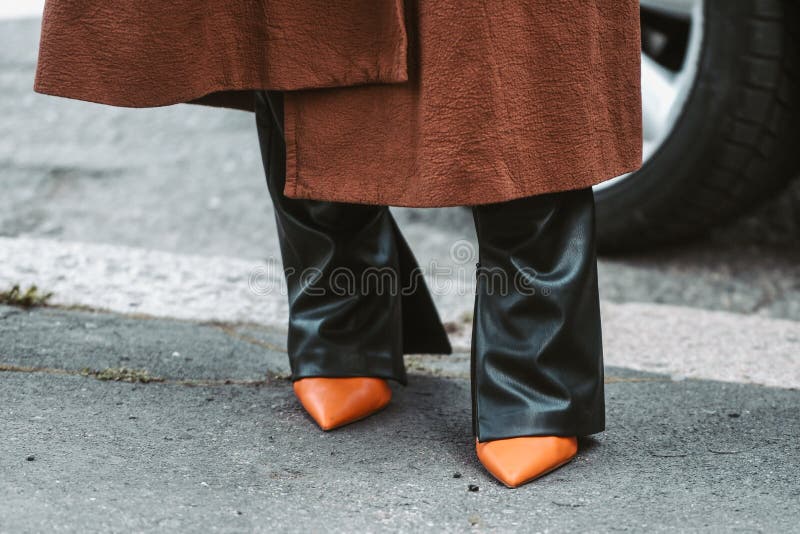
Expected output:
(402, 380)
(552, 424)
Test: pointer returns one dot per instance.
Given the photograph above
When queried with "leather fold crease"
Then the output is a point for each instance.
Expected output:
(537, 352)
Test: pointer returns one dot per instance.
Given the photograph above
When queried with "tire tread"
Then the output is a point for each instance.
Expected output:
(752, 158)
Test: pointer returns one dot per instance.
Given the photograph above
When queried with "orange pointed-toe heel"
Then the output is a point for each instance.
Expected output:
(335, 402)
(515, 461)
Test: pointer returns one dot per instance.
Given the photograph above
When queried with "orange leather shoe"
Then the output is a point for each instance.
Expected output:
(515, 461)
(334, 402)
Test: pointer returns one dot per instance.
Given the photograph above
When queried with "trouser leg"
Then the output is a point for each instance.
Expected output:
(537, 360)
(357, 301)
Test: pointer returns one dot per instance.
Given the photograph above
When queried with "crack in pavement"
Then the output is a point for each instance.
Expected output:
(230, 330)
(142, 376)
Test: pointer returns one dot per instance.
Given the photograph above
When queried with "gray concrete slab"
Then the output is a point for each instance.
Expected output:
(82, 454)
(171, 349)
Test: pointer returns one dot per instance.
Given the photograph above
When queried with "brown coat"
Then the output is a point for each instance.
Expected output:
(397, 102)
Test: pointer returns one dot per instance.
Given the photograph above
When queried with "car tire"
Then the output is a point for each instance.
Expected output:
(733, 144)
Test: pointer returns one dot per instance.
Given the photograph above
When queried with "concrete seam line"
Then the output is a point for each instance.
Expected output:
(271, 379)
(146, 379)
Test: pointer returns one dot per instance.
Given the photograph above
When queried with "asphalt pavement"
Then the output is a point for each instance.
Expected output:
(208, 437)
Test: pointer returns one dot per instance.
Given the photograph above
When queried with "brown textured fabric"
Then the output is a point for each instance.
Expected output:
(401, 102)
(153, 52)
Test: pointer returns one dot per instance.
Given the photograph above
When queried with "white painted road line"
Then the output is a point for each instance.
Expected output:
(673, 340)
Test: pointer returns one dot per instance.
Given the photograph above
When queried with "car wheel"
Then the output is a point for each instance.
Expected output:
(720, 117)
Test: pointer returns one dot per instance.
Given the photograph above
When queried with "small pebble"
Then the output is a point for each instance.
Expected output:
(30, 458)
(473, 487)
(734, 414)
(456, 475)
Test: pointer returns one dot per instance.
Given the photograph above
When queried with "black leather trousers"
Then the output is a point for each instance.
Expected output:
(358, 302)
(357, 298)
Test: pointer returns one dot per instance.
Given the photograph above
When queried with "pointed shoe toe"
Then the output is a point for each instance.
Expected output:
(335, 402)
(515, 461)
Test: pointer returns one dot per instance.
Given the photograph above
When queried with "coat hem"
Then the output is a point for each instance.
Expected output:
(299, 191)
(218, 94)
